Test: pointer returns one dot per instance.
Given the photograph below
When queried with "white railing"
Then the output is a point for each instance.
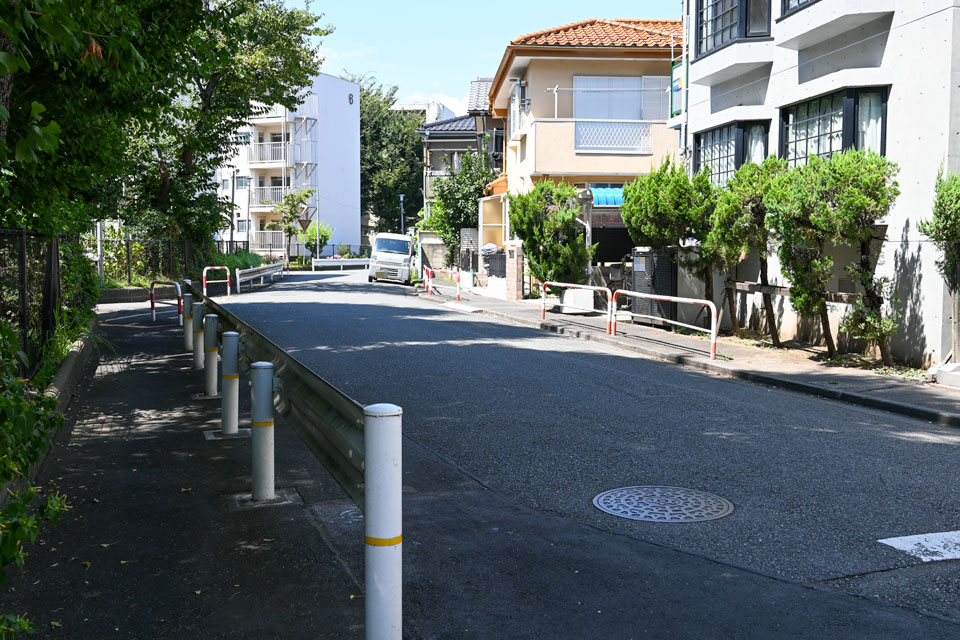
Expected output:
(249, 275)
(275, 111)
(338, 262)
(268, 152)
(714, 319)
(567, 285)
(614, 135)
(267, 240)
(263, 196)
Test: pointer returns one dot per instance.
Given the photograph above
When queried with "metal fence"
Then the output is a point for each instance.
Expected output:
(233, 246)
(125, 257)
(29, 289)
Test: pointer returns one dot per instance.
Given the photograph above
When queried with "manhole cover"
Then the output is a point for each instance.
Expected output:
(663, 504)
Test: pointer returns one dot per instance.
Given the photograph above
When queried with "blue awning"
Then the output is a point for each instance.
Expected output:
(608, 196)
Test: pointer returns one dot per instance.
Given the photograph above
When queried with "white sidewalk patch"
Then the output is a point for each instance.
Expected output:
(456, 306)
(929, 547)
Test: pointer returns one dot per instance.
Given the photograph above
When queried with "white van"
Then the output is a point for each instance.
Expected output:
(391, 257)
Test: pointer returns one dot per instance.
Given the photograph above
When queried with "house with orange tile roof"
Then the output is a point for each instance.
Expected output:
(585, 103)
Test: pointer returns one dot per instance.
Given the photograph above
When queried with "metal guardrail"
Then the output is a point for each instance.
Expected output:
(248, 275)
(567, 285)
(328, 421)
(648, 296)
(338, 262)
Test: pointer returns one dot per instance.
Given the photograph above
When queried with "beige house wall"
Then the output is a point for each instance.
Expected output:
(543, 75)
(555, 152)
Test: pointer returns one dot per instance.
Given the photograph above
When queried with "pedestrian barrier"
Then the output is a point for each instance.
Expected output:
(230, 384)
(567, 285)
(153, 300)
(431, 276)
(206, 282)
(648, 296)
(249, 275)
(360, 446)
(338, 262)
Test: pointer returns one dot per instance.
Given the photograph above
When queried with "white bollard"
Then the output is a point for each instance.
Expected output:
(230, 385)
(382, 514)
(188, 321)
(210, 354)
(197, 335)
(261, 419)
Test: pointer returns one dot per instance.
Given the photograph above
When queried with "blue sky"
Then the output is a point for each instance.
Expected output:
(432, 50)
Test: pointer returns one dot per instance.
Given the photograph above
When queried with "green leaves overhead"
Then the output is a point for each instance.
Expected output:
(545, 219)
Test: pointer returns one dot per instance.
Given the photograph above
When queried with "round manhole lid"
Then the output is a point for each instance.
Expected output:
(663, 504)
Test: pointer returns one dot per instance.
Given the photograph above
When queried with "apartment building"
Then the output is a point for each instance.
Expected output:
(586, 103)
(798, 78)
(317, 146)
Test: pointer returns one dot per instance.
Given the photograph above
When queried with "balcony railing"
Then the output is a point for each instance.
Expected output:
(628, 136)
(265, 196)
(260, 152)
(275, 111)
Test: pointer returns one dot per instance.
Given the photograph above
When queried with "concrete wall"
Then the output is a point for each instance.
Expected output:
(915, 53)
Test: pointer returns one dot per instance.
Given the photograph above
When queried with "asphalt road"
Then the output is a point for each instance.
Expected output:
(511, 432)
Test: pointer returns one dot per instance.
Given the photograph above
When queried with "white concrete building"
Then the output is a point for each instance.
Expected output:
(317, 146)
(810, 77)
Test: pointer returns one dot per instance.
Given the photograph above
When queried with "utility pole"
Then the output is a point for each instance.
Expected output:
(401, 214)
(233, 207)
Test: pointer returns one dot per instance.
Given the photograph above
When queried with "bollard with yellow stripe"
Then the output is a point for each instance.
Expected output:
(188, 321)
(230, 384)
(382, 516)
(261, 418)
(210, 354)
(197, 314)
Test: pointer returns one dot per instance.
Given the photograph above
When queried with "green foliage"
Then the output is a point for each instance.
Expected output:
(316, 236)
(457, 196)
(795, 210)
(291, 209)
(840, 201)
(943, 228)
(739, 222)
(239, 260)
(667, 207)
(28, 421)
(553, 241)
(391, 156)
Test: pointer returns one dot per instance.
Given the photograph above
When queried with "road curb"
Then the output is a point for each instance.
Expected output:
(942, 418)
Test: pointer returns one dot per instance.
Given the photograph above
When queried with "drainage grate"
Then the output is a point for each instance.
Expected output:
(663, 504)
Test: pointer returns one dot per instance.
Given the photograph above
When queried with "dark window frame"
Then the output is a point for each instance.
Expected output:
(743, 8)
(739, 142)
(786, 13)
(851, 113)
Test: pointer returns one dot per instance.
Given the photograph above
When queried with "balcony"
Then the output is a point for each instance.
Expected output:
(275, 111)
(272, 153)
(267, 196)
(733, 61)
(822, 21)
(574, 146)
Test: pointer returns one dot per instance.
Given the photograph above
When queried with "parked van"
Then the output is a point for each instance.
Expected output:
(391, 257)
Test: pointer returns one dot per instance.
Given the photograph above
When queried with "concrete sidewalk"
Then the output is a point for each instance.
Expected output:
(792, 369)
(151, 547)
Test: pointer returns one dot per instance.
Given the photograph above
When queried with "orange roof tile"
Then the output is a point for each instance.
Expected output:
(609, 33)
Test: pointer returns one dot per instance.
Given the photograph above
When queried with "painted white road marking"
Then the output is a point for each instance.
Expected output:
(929, 547)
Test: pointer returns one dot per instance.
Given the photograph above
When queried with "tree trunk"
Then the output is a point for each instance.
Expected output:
(732, 303)
(768, 305)
(827, 334)
(6, 81)
(873, 300)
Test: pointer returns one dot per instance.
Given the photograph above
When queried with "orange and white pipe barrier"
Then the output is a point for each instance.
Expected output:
(567, 285)
(153, 299)
(649, 296)
(205, 281)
